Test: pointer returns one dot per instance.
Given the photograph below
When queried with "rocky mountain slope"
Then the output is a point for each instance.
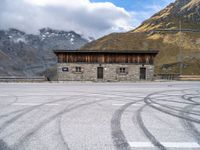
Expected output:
(161, 32)
(29, 55)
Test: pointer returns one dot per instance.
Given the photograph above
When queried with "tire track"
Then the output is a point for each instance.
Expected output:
(189, 98)
(190, 126)
(187, 124)
(61, 134)
(119, 140)
(9, 104)
(197, 113)
(28, 135)
(173, 101)
(7, 123)
(171, 113)
(46, 121)
(150, 136)
(12, 120)
(3, 145)
(149, 102)
(13, 112)
(118, 135)
(8, 114)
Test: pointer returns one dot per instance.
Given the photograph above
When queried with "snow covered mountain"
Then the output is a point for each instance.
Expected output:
(29, 55)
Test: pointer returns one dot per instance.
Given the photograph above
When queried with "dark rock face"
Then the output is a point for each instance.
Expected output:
(181, 3)
(186, 11)
(28, 54)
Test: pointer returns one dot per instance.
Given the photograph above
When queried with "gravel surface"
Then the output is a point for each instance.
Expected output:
(100, 116)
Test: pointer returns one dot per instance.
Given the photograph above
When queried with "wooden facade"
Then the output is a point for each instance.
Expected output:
(102, 57)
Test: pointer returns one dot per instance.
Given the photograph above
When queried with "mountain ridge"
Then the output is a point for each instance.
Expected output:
(24, 54)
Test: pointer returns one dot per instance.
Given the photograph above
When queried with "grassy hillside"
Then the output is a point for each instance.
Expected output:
(168, 44)
(147, 37)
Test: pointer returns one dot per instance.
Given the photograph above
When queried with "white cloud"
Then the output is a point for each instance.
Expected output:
(82, 16)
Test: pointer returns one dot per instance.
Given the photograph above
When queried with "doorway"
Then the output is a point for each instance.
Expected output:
(100, 73)
(142, 73)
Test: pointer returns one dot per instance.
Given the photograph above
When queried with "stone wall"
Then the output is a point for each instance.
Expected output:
(110, 71)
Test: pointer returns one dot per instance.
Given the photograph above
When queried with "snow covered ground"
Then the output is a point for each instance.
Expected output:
(100, 116)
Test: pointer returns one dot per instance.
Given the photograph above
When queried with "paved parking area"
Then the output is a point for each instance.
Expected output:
(100, 116)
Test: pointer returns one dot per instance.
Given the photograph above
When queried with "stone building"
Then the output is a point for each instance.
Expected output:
(83, 65)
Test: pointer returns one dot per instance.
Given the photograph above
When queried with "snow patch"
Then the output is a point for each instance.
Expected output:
(72, 41)
(18, 39)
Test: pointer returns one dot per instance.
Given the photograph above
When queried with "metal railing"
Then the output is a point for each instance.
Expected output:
(168, 76)
(22, 79)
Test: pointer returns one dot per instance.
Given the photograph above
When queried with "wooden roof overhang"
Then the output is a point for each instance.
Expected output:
(155, 52)
(86, 56)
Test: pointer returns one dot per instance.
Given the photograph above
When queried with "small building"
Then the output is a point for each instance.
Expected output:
(84, 65)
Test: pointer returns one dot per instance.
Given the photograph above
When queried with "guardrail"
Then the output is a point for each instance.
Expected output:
(22, 79)
(167, 76)
(189, 78)
(178, 77)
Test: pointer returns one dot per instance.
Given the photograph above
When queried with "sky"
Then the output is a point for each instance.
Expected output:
(94, 18)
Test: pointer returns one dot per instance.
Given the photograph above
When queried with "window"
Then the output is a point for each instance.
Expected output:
(122, 70)
(78, 69)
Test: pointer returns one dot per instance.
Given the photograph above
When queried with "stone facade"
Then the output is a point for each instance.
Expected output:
(111, 72)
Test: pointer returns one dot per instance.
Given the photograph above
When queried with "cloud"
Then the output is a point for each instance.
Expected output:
(85, 17)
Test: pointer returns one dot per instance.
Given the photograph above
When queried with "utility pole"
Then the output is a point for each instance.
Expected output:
(180, 50)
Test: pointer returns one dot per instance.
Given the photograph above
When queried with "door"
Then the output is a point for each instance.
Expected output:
(100, 73)
(142, 73)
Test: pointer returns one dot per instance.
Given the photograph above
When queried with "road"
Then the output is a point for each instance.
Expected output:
(100, 116)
